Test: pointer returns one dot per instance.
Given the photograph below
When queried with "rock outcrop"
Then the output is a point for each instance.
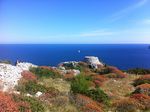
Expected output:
(68, 64)
(93, 61)
(9, 74)
(25, 65)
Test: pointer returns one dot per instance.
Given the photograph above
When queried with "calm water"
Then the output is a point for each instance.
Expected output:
(122, 56)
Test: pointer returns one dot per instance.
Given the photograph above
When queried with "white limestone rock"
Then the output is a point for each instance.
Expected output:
(38, 94)
(9, 74)
(29, 95)
(76, 72)
(25, 65)
(93, 61)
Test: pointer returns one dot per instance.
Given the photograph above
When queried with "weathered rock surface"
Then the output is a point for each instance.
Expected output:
(38, 94)
(25, 65)
(93, 61)
(9, 74)
(68, 64)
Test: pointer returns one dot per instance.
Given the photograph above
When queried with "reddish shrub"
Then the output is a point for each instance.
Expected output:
(7, 104)
(142, 99)
(55, 71)
(50, 68)
(145, 76)
(143, 88)
(29, 75)
(98, 79)
(86, 104)
(69, 76)
(52, 93)
(25, 106)
(127, 105)
(92, 108)
(142, 80)
(98, 83)
(119, 73)
(101, 78)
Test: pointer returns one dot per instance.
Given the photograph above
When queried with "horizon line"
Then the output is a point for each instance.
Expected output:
(64, 43)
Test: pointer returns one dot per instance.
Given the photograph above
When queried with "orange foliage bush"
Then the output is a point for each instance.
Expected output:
(142, 80)
(92, 108)
(143, 88)
(86, 104)
(52, 93)
(98, 79)
(142, 99)
(25, 106)
(68, 76)
(7, 104)
(101, 78)
(145, 76)
(119, 73)
(127, 105)
(98, 83)
(29, 75)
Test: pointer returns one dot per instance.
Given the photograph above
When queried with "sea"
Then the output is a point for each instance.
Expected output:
(123, 56)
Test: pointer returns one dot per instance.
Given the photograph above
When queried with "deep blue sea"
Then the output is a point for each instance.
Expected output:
(123, 56)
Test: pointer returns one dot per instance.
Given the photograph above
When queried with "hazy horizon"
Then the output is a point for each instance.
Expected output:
(74, 22)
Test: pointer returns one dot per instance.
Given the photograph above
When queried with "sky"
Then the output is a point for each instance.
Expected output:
(74, 21)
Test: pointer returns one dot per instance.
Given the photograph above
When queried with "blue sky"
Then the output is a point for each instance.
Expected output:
(74, 21)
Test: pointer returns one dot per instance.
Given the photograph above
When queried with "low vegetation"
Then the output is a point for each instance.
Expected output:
(6, 61)
(105, 89)
(142, 80)
(45, 72)
(139, 71)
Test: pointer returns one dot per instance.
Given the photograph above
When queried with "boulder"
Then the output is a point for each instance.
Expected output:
(9, 74)
(69, 64)
(71, 71)
(76, 72)
(38, 94)
(93, 61)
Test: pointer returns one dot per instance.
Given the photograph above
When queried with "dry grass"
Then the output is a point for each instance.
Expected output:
(67, 108)
(60, 102)
(59, 84)
(119, 88)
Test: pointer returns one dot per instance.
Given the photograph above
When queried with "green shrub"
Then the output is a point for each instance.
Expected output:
(6, 61)
(142, 80)
(139, 71)
(31, 87)
(35, 105)
(80, 84)
(139, 82)
(98, 95)
(41, 72)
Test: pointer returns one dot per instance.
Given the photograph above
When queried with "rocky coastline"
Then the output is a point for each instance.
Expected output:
(85, 86)
(10, 74)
